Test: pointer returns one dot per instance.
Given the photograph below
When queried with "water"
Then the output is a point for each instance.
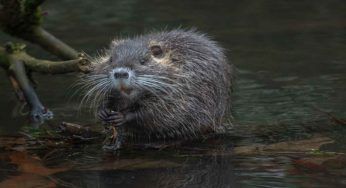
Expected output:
(290, 57)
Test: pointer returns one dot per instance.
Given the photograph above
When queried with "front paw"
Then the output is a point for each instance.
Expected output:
(111, 117)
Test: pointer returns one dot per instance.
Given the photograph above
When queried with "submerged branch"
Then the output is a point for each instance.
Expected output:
(332, 117)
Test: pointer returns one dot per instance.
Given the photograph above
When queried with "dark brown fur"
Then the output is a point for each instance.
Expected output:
(181, 91)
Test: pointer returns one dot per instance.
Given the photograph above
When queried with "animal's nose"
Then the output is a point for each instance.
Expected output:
(121, 75)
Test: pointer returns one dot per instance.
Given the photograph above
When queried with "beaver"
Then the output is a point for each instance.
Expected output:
(165, 85)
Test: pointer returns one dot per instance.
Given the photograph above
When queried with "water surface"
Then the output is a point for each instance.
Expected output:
(290, 57)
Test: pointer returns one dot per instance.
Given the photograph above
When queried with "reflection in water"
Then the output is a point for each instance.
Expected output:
(218, 170)
(211, 172)
(290, 57)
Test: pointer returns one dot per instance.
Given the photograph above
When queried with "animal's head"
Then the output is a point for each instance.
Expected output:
(132, 69)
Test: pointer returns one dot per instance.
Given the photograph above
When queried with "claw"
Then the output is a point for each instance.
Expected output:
(111, 117)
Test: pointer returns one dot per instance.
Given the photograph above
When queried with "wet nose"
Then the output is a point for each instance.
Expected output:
(121, 75)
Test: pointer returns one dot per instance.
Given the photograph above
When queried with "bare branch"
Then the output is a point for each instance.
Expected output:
(22, 19)
(38, 113)
(10, 54)
(51, 44)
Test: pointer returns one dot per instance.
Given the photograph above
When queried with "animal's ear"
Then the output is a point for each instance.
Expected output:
(115, 43)
(156, 50)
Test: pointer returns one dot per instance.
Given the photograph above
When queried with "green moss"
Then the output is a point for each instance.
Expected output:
(319, 153)
(18, 17)
(34, 132)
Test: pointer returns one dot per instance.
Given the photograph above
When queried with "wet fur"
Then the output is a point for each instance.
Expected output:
(183, 94)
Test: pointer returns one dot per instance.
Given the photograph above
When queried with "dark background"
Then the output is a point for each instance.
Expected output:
(290, 56)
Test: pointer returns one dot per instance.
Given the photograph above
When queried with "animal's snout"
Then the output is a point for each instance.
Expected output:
(121, 74)
(122, 79)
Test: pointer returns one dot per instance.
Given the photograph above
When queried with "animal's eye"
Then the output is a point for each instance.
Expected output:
(156, 51)
(143, 61)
